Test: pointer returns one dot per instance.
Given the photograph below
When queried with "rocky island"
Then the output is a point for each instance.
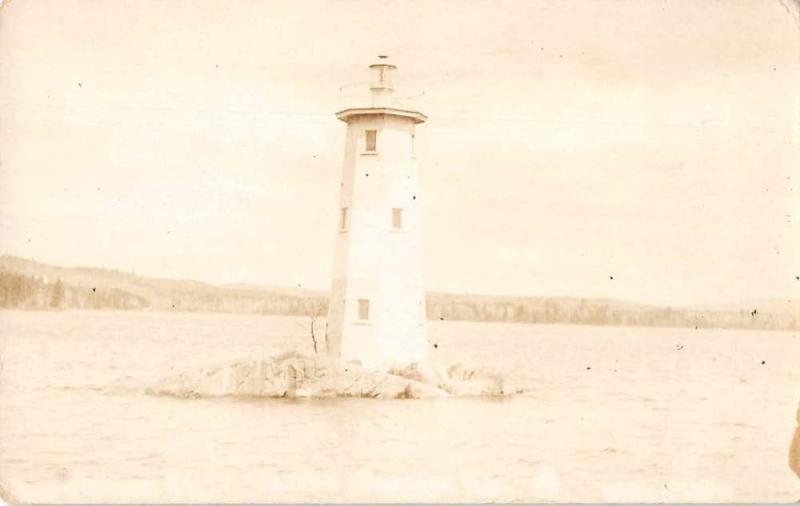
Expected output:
(293, 375)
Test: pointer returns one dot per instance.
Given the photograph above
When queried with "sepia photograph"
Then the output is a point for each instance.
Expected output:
(399, 251)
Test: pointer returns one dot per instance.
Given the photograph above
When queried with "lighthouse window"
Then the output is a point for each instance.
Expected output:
(343, 219)
(371, 137)
(363, 309)
(397, 218)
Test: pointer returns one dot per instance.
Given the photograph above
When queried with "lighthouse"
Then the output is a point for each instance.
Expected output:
(376, 313)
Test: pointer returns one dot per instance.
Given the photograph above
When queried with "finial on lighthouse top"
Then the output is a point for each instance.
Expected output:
(381, 86)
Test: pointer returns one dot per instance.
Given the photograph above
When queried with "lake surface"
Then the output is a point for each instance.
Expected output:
(608, 414)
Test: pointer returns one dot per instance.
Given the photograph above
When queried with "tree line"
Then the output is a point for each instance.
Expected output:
(599, 312)
(18, 291)
(34, 292)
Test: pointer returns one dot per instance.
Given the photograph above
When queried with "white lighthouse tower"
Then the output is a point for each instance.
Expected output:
(376, 313)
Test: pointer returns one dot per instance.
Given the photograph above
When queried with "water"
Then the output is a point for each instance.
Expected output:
(608, 414)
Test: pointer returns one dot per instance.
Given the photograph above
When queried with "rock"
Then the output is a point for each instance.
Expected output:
(464, 381)
(419, 373)
(294, 376)
(458, 380)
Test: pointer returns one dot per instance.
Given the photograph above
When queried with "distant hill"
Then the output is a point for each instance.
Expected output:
(29, 284)
(775, 306)
(33, 285)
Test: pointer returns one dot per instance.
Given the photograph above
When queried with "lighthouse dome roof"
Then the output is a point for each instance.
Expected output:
(383, 61)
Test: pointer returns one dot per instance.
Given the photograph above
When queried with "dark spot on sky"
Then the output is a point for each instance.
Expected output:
(763, 362)
(414, 197)
(435, 345)
(611, 278)
(441, 318)
(754, 312)
(80, 85)
(94, 290)
(588, 368)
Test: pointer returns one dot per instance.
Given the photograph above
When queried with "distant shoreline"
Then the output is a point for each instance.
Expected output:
(26, 284)
(178, 312)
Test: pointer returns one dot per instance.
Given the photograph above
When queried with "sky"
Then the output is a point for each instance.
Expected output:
(568, 143)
